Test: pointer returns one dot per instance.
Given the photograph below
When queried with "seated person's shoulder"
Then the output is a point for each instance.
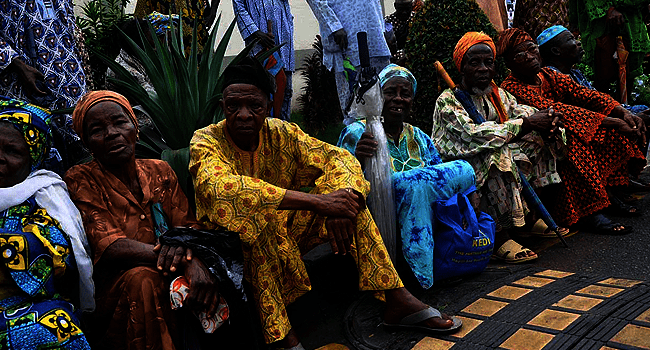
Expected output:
(446, 94)
(80, 172)
(154, 164)
(156, 168)
(278, 126)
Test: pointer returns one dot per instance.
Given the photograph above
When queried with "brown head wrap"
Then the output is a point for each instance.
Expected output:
(94, 97)
(467, 41)
(510, 38)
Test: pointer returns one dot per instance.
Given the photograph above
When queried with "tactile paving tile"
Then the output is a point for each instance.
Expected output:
(554, 273)
(578, 303)
(485, 307)
(644, 316)
(553, 319)
(468, 325)
(633, 335)
(552, 310)
(527, 339)
(620, 282)
(510, 292)
(600, 291)
(533, 281)
(429, 343)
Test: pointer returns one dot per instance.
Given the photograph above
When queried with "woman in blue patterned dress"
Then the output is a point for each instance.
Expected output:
(45, 266)
(419, 175)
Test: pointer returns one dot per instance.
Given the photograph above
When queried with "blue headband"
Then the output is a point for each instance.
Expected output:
(549, 34)
(392, 71)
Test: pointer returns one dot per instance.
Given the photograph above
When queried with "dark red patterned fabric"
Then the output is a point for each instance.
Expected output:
(596, 157)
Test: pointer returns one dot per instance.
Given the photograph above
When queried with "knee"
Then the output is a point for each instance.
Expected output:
(465, 170)
(144, 279)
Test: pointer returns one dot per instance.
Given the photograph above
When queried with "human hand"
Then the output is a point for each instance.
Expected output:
(639, 125)
(546, 120)
(341, 39)
(621, 126)
(614, 17)
(342, 203)
(28, 76)
(266, 40)
(203, 293)
(341, 234)
(170, 258)
(366, 146)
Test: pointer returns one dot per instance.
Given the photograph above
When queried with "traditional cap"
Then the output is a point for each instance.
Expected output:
(467, 41)
(549, 33)
(248, 71)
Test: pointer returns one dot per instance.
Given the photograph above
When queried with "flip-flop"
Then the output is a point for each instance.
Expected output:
(540, 229)
(509, 250)
(411, 321)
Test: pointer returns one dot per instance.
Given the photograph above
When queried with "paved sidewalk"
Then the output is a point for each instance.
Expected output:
(593, 295)
(530, 310)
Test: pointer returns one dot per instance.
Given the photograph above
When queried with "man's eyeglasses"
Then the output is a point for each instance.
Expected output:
(523, 55)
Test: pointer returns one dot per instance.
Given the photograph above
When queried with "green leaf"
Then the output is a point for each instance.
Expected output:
(179, 160)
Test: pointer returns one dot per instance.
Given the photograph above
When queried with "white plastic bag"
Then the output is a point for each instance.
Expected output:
(381, 200)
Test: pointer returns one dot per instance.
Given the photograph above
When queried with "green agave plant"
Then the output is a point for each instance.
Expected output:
(187, 93)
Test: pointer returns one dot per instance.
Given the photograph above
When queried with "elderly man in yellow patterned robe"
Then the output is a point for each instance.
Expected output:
(248, 171)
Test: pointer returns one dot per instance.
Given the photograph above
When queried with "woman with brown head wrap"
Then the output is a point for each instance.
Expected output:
(115, 194)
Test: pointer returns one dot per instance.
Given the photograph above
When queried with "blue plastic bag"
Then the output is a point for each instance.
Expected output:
(463, 242)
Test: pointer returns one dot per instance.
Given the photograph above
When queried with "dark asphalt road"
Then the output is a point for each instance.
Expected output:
(621, 256)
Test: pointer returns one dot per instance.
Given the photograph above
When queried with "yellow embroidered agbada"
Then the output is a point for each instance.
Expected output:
(242, 190)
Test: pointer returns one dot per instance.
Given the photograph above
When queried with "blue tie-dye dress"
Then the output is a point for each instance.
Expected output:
(420, 178)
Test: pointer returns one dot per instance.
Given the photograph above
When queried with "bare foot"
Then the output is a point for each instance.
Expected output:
(401, 303)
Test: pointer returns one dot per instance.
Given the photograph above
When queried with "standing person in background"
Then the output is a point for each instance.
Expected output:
(400, 19)
(600, 22)
(41, 63)
(253, 18)
(340, 21)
